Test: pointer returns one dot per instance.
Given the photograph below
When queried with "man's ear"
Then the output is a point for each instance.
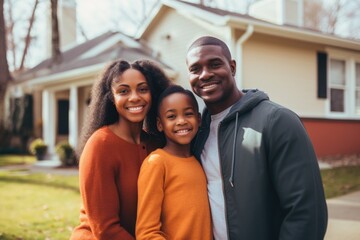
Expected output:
(159, 125)
(233, 67)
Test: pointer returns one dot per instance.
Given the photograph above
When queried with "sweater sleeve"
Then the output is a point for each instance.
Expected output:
(99, 192)
(296, 177)
(150, 198)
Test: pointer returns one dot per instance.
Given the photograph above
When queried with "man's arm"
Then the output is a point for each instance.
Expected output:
(296, 177)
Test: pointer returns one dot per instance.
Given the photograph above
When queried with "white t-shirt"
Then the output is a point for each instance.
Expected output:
(211, 165)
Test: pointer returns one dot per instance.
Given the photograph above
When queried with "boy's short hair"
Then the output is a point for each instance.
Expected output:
(177, 89)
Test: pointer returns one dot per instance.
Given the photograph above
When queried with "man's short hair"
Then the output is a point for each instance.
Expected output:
(208, 40)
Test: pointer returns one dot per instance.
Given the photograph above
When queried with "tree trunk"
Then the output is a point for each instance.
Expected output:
(28, 36)
(4, 76)
(55, 35)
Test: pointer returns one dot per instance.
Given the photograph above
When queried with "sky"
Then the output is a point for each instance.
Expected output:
(94, 17)
(97, 17)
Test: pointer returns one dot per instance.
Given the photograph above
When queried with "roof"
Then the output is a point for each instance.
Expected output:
(102, 49)
(219, 17)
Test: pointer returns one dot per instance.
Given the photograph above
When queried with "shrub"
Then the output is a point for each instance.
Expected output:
(38, 148)
(66, 153)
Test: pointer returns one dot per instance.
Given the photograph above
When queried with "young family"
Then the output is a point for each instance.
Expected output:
(152, 167)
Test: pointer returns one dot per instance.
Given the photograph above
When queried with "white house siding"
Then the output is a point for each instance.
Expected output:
(182, 32)
(286, 70)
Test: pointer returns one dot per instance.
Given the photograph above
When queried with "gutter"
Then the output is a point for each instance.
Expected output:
(239, 54)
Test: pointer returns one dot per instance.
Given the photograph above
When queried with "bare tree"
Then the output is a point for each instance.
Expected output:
(28, 35)
(11, 46)
(21, 37)
(55, 35)
(5, 76)
(340, 17)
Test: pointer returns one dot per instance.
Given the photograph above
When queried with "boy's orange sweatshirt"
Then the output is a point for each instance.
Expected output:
(173, 199)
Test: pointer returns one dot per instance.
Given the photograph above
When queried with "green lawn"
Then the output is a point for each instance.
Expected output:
(37, 206)
(340, 181)
(46, 207)
(16, 159)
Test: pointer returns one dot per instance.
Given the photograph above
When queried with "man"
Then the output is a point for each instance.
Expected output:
(263, 177)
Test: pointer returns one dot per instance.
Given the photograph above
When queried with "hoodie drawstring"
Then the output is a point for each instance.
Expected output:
(231, 179)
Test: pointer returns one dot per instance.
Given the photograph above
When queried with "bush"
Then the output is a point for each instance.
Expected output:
(66, 153)
(38, 148)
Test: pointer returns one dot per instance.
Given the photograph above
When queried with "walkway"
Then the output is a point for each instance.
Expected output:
(344, 217)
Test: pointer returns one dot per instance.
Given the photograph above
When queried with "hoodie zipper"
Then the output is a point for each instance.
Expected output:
(223, 188)
(231, 179)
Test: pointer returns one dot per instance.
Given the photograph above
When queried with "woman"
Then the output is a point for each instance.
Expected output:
(115, 145)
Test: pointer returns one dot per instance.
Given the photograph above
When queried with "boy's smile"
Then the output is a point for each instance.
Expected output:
(179, 120)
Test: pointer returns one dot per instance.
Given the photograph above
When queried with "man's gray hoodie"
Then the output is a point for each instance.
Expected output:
(271, 179)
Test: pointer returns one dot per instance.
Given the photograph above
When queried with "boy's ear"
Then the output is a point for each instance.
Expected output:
(159, 125)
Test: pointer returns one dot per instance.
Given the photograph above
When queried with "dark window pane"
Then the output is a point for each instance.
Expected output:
(337, 100)
(63, 117)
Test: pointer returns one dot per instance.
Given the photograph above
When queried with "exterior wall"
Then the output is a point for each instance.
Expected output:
(279, 11)
(286, 70)
(84, 95)
(37, 105)
(172, 42)
(333, 137)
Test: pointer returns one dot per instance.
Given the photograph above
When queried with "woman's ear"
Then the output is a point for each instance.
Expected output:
(159, 125)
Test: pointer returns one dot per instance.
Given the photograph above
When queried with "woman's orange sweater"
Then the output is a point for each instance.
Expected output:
(108, 172)
(173, 200)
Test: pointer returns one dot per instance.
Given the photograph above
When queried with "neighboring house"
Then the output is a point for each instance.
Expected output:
(315, 74)
(56, 94)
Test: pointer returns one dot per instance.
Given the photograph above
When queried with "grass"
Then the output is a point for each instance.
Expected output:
(37, 206)
(16, 159)
(340, 181)
(45, 206)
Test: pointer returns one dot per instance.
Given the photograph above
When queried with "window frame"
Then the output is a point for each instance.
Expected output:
(350, 60)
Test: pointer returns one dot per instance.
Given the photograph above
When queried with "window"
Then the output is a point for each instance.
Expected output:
(357, 89)
(337, 85)
(344, 86)
(63, 117)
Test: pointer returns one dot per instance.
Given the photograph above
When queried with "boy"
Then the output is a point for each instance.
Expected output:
(172, 194)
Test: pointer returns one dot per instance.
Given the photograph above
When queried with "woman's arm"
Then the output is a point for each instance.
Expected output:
(99, 192)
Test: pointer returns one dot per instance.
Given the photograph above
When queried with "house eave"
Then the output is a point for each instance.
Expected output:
(293, 33)
(260, 26)
(64, 77)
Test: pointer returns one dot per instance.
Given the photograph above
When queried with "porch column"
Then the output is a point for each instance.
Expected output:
(48, 117)
(73, 117)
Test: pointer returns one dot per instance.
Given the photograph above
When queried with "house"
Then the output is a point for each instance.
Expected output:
(314, 74)
(56, 94)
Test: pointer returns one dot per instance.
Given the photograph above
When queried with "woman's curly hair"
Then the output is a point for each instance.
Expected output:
(102, 110)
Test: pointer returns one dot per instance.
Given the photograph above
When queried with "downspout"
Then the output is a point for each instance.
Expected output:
(239, 54)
